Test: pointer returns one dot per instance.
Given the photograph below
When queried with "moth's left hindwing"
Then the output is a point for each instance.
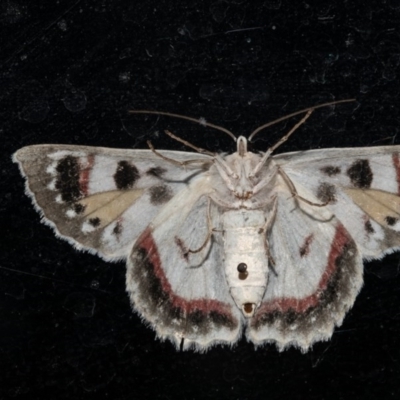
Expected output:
(183, 294)
(102, 199)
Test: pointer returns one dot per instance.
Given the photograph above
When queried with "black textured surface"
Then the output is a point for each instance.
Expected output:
(70, 71)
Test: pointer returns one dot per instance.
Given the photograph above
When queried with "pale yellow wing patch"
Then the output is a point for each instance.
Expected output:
(381, 206)
(104, 208)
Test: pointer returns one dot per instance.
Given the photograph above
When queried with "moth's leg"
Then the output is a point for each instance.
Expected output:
(271, 217)
(210, 231)
(188, 144)
(264, 230)
(293, 190)
(171, 160)
(265, 181)
(270, 258)
(225, 171)
(268, 153)
(184, 249)
(287, 136)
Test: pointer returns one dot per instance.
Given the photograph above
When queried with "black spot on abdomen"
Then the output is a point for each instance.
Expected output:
(242, 269)
(360, 174)
(126, 175)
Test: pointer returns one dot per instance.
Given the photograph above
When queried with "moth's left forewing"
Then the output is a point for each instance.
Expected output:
(362, 186)
(101, 199)
(134, 204)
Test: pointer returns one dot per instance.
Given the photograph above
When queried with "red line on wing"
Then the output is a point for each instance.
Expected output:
(396, 164)
(206, 305)
(300, 305)
(84, 175)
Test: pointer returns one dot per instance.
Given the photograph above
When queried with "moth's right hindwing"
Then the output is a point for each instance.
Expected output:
(318, 276)
(102, 199)
(319, 259)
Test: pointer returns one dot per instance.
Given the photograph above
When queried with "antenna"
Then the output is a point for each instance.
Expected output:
(203, 122)
(198, 121)
(260, 128)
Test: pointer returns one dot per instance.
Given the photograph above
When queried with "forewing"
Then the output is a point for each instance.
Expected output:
(102, 199)
(362, 186)
(318, 275)
(182, 294)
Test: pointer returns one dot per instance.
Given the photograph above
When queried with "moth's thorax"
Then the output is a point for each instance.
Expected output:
(242, 167)
(236, 185)
(246, 260)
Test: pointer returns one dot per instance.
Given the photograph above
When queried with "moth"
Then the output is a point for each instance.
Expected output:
(216, 246)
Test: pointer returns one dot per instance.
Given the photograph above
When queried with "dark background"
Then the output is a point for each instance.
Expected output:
(70, 71)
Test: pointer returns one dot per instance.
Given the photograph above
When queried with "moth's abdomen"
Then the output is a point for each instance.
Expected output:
(245, 257)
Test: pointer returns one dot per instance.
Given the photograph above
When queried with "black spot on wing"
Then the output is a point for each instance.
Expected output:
(160, 194)
(126, 175)
(94, 221)
(360, 174)
(156, 172)
(330, 170)
(67, 181)
(79, 208)
(117, 229)
(368, 227)
(390, 220)
(326, 193)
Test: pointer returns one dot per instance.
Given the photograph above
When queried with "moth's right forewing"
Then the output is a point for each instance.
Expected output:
(363, 189)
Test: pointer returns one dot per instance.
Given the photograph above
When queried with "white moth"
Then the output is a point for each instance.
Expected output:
(220, 244)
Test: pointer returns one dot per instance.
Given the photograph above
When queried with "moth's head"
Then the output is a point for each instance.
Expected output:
(241, 144)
